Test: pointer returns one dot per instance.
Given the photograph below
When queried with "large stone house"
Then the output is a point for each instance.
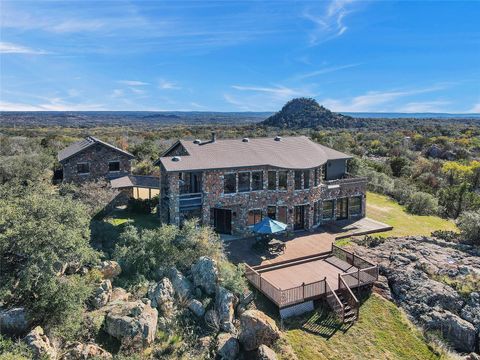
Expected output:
(233, 184)
(92, 159)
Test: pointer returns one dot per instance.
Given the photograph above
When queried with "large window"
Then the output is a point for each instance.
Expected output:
(327, 211)
(282, 214)
(254, 216)
(257, 180)
(272, 212)
(306, 179)
(113, 166)
(272, 180)
(355, 205)
(316, 179)
(282, 180)
(229, 183)
(83, 168)
(243, 181)
(298, 180)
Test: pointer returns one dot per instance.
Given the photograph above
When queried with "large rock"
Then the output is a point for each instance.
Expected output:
(196, 307)
(212, 321)
(227, 346)
(40, 344)
(119, 294)
(181, 285)
(205, 274)
(225, 305)
(110, 269)
(265, 353)
(471, 311)
(133, 323)
(161, 295)
(257, 329)
(460, 333)
(13, 321)
(101, 295)
(79, 351)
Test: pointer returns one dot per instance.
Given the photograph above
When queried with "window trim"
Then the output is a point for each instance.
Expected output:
(114, 161)
(249, 181)
(83, 163)
(275, 207)
(275, 187)
(332, 215)
(248, 216)
(286, 180)
(261, 180)
(286, 213)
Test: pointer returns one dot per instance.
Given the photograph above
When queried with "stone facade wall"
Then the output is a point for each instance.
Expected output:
(241, 202)
(98, 156)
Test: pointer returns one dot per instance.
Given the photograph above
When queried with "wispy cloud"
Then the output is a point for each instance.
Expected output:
(330, 23)
(325, 70)
(434, 106)
(132, 82)
(475, 108)
(277, 91)
(53, 104)
(10, 48)
(378, 100)
(168, 85)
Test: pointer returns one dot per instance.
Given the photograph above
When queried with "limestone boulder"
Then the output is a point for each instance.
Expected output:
(460, 333)
(257, 329)
(205, 274)
(227, 346)
(40, 344)
(110, 269)
(196, 307)
(161, 295)
(133, 323)
(265, 353)
(13, 321)
(211, 320)
(79, 351)
(225, 303)
(181, 285)
(102, 294)
(119, 294)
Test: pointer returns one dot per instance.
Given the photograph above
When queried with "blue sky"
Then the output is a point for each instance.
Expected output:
(374, 56)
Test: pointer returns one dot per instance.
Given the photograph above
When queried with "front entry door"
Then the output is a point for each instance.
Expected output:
(222, 219)
(299, 217)
(342, 209)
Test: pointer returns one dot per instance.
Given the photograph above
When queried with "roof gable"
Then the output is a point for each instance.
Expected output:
(84, 144)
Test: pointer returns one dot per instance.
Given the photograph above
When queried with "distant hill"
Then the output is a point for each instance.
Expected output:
(307, 113)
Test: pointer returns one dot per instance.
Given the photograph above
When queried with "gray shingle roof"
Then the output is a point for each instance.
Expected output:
(290, 152)
(79, 146)
(152, 182)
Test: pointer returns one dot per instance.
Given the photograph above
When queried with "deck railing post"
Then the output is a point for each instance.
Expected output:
(358, 276)
(303, 291)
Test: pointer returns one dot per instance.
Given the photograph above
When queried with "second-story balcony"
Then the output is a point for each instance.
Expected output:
(346, 180)
(190, 201)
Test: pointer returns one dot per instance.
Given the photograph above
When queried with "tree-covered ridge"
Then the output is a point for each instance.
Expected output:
(307, 113)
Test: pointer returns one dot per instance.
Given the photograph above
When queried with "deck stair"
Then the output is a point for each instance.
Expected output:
(350, 310)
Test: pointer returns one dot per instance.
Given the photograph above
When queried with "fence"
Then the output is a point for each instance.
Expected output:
(351, 258)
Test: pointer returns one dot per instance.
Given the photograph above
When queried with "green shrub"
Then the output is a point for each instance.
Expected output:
(232, 277)
(469, 225)
(421, 203)
(11, 350)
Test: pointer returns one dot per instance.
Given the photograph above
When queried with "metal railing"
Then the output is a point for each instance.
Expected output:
(346, 180)
(350, 298)
(334, 302)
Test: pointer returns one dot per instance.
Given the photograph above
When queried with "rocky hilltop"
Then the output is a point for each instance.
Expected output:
(307, 113)
(435, 281)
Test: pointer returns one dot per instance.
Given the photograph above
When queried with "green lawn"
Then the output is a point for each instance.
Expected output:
(386, 210)
(382, 332)
(119, 217)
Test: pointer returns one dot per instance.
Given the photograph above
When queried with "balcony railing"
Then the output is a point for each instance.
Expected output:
(346, 180)
(190, 201)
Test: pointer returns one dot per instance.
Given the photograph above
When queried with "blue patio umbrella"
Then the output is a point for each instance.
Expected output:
(269, 226)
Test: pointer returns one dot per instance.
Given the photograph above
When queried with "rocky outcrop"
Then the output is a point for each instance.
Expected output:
(265, 353)
(181, 285)
(79, 351)
(161, 295)
(101, 295)
(119, 294)
(211, 320)
(196, 307)
(227, 346)
(460, 333)
(419, 271)
(205, 274)
(133, 323)
(224, 305)
(257, 329)
(40, 344)
(110, 269)
(13, 321)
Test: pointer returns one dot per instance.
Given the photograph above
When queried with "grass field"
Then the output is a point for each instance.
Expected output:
(382, 332)
(386, 210)
(120, 217)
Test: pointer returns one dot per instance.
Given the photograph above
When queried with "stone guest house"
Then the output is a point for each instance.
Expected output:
(233, 184)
